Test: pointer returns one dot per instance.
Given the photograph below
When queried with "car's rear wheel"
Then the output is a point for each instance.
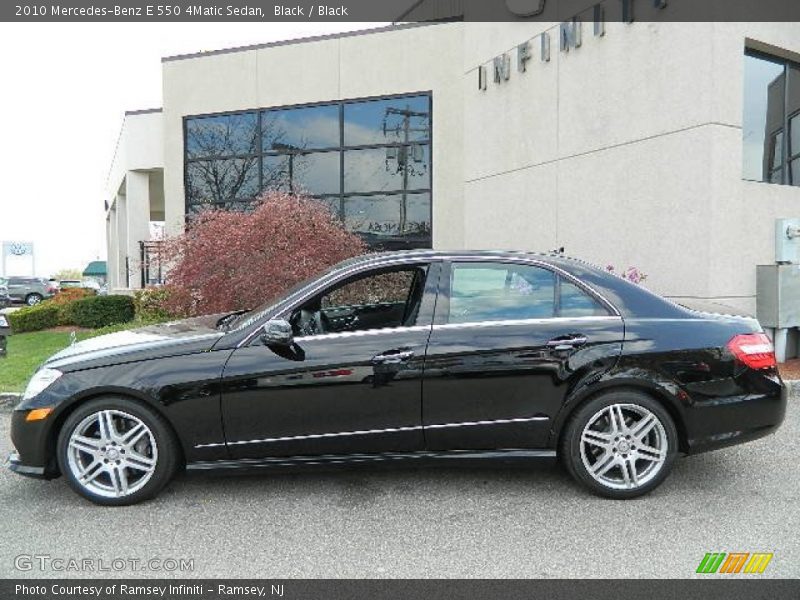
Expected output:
(33, 299)
(620, 444)
(115, 451)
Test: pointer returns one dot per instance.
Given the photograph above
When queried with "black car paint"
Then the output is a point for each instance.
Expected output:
(494, 391)
(4, 333)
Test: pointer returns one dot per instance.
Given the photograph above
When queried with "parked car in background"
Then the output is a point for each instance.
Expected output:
(91, 284)
(5, 299)
(416, 356)
(31, 290)
(79, 284)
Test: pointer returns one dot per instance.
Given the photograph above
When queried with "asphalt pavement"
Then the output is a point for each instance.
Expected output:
(445, 522)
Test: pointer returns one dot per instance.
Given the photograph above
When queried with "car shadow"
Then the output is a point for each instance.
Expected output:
(372, 480)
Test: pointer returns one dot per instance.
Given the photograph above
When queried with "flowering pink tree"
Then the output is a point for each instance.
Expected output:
(230, 260)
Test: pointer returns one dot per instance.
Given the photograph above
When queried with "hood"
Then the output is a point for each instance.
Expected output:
(153, 341)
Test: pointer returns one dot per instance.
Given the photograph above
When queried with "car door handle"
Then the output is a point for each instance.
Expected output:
(392, 357)
(567, 342)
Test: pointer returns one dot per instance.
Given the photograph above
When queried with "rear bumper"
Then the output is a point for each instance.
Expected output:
(721, 422)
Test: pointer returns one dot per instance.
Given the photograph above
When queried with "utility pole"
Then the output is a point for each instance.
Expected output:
(403, 153)
(292, 151)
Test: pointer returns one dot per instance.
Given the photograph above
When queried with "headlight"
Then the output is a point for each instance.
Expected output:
(40, 381)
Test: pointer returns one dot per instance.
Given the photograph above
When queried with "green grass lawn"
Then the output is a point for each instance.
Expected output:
(26, 351)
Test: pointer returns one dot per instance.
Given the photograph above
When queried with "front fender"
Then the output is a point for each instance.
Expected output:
(185, 390)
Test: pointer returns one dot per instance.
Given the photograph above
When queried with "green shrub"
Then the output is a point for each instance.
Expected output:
(99, 311)
(64, 300)
(34, 318)
(150, 304)
(64, 316)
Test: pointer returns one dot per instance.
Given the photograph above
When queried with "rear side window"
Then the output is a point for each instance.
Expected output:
(574, 302)
(482, 292)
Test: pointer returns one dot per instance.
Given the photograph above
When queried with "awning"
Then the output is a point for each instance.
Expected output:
(96, 268)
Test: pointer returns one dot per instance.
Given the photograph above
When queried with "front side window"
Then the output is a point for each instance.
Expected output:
(369, 161)
(771, 109)
(481, 292)
(380, 300)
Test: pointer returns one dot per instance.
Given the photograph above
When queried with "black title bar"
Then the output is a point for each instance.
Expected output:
(395, 10)
(715, 588)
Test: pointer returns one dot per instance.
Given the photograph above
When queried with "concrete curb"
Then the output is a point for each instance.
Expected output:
(8, 401)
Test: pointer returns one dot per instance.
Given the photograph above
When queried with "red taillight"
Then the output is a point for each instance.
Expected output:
(753, 350)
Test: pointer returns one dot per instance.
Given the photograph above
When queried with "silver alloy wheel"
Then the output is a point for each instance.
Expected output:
(112, 453)
(624, 446)
(33, 299)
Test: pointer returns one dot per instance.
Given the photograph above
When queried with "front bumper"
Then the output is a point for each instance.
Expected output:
(14, 463)
(34, 454)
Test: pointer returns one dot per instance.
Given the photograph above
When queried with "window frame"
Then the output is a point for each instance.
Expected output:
(786, 158)
(414, 241)
(291, 304)
(792, 154)
(442, 314)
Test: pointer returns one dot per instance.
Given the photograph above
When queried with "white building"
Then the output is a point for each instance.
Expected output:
(647, 145)
(135, 194)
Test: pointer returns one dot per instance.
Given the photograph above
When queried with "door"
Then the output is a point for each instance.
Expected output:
(17, 288)
(509, 341)
(352, 381)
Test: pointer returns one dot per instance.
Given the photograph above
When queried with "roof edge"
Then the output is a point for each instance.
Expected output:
(302, 40)
(142, 111)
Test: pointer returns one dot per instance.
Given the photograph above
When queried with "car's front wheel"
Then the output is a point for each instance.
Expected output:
(620, 444)
(115, 451)
(33, 299)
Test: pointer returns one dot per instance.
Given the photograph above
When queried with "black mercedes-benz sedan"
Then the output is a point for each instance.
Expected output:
(416, 356)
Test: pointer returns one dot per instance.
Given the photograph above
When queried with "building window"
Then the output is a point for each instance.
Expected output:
(771, 120)
(368, 160)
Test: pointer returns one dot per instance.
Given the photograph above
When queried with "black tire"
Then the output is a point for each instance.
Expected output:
(168, 455)
(570, 446)
(33, 299)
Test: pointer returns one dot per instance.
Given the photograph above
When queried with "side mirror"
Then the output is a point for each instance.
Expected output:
(277, 332)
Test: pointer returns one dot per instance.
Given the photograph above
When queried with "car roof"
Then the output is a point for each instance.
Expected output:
(557, 259)
(422, 254)
(630, 300)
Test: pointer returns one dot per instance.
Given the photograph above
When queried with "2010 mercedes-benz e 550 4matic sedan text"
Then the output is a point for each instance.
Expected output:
(417, 356)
